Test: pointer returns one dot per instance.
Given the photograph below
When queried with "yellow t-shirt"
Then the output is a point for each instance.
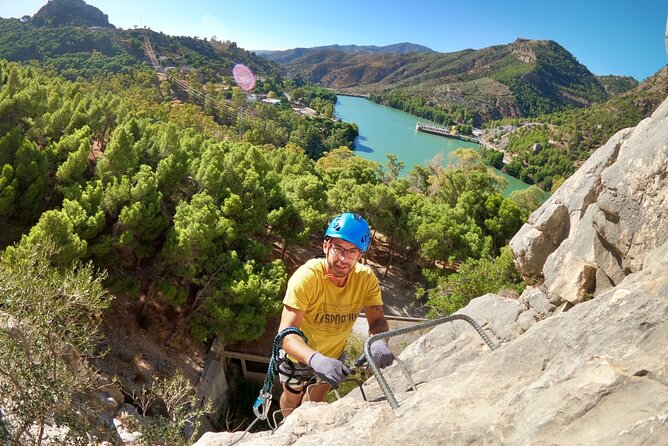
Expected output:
(330, 311)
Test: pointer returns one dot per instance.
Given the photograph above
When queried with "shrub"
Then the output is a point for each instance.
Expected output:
(474, 278)
(49, 320)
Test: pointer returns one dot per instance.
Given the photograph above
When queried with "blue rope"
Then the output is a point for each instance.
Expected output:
(265, 394)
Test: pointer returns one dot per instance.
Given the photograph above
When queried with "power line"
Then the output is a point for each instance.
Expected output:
(223, 107)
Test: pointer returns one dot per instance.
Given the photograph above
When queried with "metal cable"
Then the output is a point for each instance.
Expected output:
(399, 331)
(264, 399)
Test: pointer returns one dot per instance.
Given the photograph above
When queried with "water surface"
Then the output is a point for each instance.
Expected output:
(384, 130)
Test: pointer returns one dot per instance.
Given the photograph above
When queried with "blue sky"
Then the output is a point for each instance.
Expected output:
(620, 37)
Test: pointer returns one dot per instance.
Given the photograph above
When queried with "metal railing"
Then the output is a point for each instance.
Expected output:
(399, 331)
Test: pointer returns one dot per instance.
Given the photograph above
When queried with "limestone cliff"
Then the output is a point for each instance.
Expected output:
(582, 355)
(70, 12)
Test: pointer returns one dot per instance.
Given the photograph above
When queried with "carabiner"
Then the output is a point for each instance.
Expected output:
(264, 401)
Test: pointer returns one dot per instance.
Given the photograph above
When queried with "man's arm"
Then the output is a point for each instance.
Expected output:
(376, 319)
(293, 344)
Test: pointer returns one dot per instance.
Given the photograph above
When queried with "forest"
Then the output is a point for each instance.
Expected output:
(168, 199)
(567, 138)
(179, 203)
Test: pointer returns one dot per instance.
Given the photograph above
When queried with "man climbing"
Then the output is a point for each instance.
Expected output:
(323, 299)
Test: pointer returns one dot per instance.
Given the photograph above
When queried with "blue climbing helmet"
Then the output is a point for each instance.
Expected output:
(351, 228)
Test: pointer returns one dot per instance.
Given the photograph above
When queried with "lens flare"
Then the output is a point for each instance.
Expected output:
(244, 77)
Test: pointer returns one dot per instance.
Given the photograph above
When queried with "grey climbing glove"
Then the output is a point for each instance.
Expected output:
(331, 370)
(381, 354)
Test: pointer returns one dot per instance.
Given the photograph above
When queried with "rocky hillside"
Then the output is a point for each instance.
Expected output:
(523, 78)
(616, 85)
(76, 39)
(70, 12)
(581, 357)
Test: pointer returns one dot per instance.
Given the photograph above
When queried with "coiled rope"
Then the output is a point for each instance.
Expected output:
(264, 398)
(263, 401)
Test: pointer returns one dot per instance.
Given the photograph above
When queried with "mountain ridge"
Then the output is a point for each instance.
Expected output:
(116, 49)
(285, 56)
(536, 80)
(523, 78)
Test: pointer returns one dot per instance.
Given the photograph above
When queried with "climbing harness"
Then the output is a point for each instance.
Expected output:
(297, 376)
(376, 370)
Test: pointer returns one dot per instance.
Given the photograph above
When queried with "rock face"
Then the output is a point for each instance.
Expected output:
(70, 12)
(581, 357)
(601, 224)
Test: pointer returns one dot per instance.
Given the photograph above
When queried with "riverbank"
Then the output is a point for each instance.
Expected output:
(386, 131)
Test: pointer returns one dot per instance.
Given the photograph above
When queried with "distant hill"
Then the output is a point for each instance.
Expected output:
(523, 78)
(526, 78)
(286, 56)
(568, 138)
(620, 111)
(85, 50)
(616, 85)
(70, 12)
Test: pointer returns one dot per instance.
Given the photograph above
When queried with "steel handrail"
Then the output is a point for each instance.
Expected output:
(399, 331)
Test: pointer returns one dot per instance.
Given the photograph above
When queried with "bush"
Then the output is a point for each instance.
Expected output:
(172, 294)
(492, 157)
(475, 277)
(183, 413)
(353, 350)
(127, 285)
(49, 320)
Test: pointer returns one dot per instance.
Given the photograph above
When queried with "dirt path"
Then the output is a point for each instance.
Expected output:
(399, 294)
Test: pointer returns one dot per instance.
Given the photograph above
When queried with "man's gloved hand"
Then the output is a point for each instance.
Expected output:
(381, 354)
(331, 370)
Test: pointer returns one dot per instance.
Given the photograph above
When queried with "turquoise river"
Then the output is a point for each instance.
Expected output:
(384, 130)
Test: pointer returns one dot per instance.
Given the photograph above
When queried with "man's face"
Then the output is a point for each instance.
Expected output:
(341, 256)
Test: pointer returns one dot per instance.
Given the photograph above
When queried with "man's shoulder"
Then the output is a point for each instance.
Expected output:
(363, 269)
(313, 264)
(311, 267)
